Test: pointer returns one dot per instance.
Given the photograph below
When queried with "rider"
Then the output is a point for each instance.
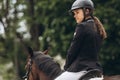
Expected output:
(82, 55)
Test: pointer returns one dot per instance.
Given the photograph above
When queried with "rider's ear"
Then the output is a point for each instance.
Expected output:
(87, 11)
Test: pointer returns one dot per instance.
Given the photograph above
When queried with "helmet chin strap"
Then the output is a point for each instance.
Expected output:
(86, 15)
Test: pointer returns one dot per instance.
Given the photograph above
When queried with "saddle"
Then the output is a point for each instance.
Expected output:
(91, 74)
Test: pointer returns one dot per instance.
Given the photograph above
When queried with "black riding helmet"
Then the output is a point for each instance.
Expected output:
(83, 4)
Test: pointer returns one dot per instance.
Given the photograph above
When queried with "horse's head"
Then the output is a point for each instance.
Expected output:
(32, 70)
(40, 66)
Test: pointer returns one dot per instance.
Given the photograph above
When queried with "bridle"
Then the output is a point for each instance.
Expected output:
(29, 50)
(26, 77)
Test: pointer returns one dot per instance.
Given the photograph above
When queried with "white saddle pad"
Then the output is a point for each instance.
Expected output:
(97, 78)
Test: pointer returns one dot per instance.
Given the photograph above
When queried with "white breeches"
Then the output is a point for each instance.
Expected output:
(70, 75)
(74, 76)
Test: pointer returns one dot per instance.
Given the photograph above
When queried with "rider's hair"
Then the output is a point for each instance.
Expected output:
(100, 27)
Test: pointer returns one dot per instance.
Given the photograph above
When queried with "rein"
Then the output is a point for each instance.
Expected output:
(28, 50)
(26, 77)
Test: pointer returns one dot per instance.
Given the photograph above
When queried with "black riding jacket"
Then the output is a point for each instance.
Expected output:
(83, 52)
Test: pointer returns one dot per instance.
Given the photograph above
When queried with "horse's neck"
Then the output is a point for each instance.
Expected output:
(56, 73)
(49, 67)
(51, 72)
(43, 76)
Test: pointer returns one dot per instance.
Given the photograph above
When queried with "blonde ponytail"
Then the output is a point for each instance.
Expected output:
(100, 28)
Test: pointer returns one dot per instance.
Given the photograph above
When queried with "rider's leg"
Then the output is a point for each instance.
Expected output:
(70, 75)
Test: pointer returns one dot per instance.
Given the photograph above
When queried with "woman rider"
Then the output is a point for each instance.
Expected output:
(89, 34)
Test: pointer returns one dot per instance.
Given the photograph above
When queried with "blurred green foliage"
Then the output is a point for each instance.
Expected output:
(47, 24)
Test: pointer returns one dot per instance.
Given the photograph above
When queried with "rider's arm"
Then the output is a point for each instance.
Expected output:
(75, 46)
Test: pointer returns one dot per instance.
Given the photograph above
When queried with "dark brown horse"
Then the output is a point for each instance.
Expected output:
(41, 66)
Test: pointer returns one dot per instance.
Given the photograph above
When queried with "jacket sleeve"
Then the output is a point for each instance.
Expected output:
(75, 46)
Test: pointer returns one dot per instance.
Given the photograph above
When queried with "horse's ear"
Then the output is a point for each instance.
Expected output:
(46, 52)
(30, 51)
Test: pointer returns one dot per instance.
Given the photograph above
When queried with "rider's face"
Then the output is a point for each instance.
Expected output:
(78, 15)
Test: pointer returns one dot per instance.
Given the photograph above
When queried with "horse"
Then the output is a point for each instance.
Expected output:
(114, 77)
(41, 66)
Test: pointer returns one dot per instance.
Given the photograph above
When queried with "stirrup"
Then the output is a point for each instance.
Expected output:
(91, 74)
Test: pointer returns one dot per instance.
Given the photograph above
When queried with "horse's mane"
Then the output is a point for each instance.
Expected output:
(46, 64)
